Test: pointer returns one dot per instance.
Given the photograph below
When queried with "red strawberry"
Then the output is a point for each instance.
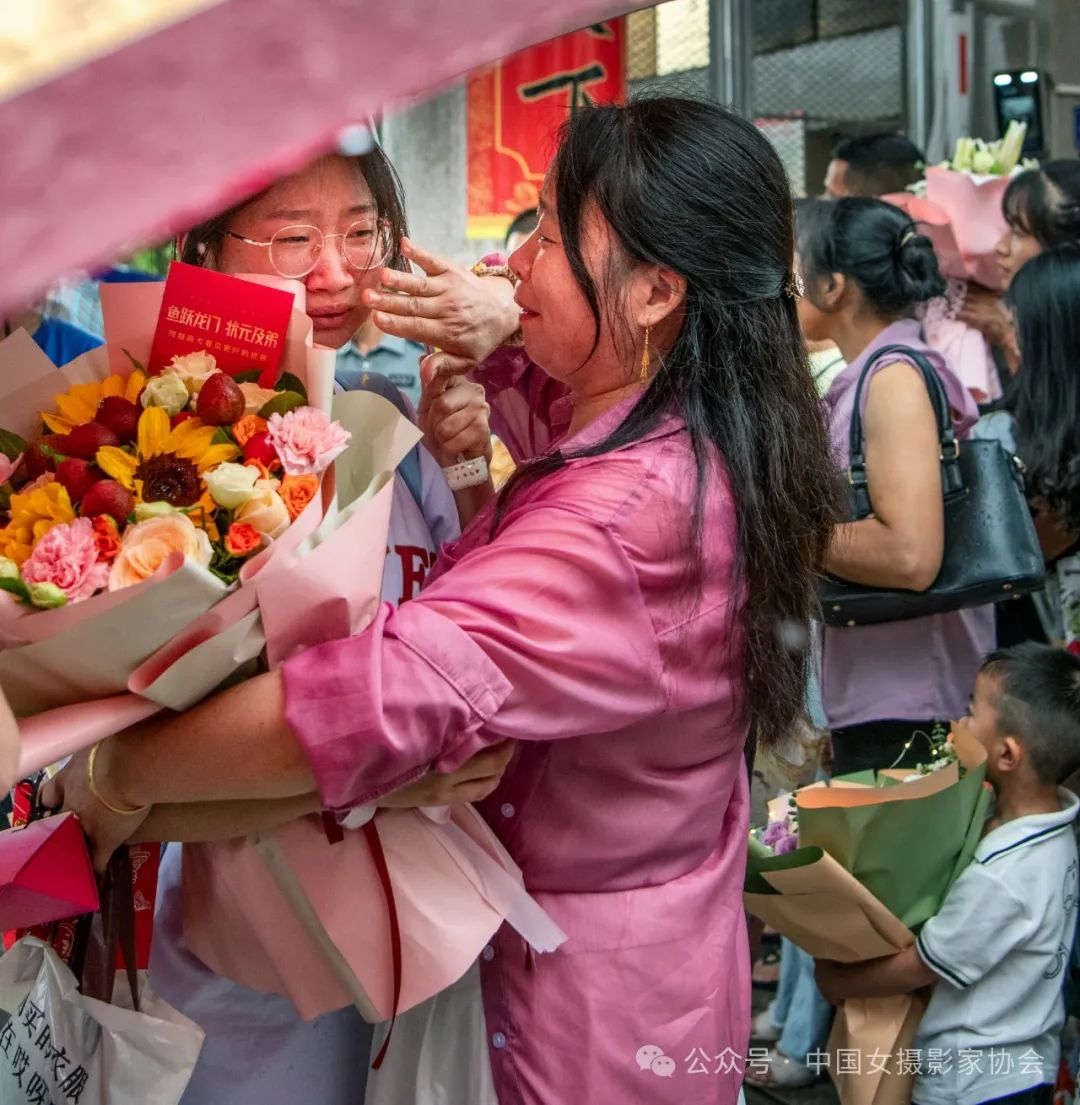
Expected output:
(85, 440)
(36, 461)
(183, 416)
(259, 448)
(120, 415)
(108, 497)
(221, 402)
(78, 476)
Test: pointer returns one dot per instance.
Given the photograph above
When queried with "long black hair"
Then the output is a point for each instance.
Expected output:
(1045, 203)
(1045, 394)
(873, 243)
(689, 186)
(202, 244)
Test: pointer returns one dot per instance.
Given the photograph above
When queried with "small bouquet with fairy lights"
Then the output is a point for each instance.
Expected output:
(849, 869)
(152, 492)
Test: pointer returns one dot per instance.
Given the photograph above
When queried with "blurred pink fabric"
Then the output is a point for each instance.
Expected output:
(576, 631)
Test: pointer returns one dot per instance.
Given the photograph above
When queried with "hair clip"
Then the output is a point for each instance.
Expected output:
(911, 234)
(794, 286)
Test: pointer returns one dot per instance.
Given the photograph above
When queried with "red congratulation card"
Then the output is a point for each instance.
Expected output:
(242, 324)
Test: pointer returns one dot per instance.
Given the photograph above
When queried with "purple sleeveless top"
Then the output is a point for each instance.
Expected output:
(915, 670)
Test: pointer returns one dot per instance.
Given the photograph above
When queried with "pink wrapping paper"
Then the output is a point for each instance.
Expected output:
(45, 873)
(973, 206)
(453, 886)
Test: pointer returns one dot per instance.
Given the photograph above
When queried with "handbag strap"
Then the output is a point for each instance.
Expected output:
(98, 967)
(939, 400)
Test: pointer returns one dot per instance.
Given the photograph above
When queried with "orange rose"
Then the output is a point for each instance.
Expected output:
(248, 426)
(242, 539)
(106, 538)
(298, 491)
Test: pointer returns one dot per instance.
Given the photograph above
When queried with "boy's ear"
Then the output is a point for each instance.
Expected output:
(1010, 754)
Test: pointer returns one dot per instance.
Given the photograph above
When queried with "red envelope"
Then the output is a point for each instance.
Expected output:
(45, 873)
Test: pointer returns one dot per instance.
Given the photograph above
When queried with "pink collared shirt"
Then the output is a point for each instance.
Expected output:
(575, 631)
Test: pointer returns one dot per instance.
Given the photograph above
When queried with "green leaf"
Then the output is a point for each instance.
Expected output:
(50, 452)
(289, 382)
(222, 437)
(134, 363)
(11, 445)
(283, 402)
(248, 376)
(15, 587)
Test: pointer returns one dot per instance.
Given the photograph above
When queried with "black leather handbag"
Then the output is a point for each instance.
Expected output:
(991, 551)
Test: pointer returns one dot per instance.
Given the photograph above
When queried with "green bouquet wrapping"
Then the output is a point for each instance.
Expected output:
(905, 842)
(876, 855)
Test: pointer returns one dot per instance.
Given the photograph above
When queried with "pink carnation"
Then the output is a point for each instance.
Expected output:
(306, 441)
(67, 557)
(8, 466)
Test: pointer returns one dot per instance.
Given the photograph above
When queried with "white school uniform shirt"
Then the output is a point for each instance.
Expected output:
(258, 1051)
(1001, 944)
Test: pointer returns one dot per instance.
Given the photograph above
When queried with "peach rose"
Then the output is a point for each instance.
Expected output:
(296, 492)
(145, 546)
(265, 510)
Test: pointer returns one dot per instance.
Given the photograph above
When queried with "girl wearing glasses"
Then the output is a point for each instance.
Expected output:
(332, 226)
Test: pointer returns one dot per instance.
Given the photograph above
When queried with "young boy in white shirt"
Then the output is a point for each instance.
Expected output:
(997, 951)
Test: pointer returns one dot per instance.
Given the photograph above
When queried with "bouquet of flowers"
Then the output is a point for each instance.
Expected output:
(958, 207)
(875, 856)
(136, 468)
(141, 510)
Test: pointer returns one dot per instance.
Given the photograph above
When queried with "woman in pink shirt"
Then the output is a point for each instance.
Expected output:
(620, 609)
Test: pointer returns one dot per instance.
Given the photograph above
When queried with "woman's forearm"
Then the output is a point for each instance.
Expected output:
(471, 500)
(868, 552)
(190, 822)
(236, 745)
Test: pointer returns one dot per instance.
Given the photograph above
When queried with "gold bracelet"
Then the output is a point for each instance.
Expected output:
(101, 797)
(482, 268)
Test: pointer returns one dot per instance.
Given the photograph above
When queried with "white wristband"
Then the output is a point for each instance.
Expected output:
(467, 473)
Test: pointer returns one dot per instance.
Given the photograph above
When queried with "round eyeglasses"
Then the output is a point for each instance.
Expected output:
(295, 250)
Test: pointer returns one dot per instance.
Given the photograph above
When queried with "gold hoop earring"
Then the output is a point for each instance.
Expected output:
(646, 360)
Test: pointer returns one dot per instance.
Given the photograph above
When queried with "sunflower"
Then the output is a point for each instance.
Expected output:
(168, 463)
(80, 403)
(33, 514)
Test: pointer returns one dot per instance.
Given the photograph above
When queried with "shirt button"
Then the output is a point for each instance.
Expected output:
(507, 810)
(488, 954)
(498, 1041)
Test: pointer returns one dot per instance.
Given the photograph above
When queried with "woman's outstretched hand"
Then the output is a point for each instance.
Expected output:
(445, 306)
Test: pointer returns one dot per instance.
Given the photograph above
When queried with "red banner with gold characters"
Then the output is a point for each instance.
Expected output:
(515, 109)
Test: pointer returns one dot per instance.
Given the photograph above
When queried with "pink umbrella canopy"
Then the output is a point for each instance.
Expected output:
(146, 140)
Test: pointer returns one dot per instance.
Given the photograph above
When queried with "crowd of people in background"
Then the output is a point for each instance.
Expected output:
(871, 281)
(808, 323)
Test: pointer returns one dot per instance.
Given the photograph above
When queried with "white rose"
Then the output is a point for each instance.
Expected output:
(194, 369)
(231, 485)
(265, 510)
(255, 397)
(166, 391)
